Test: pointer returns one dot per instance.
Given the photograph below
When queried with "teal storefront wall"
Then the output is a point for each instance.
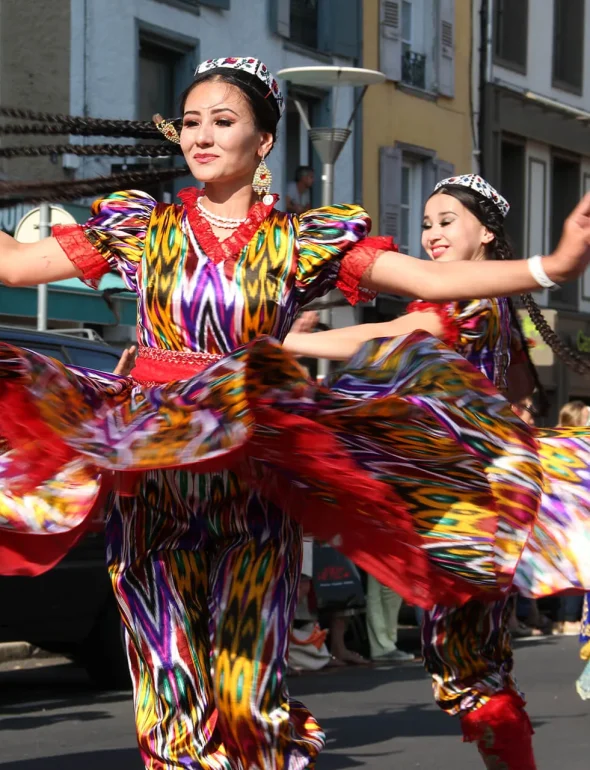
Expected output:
(71, 300)
(68, 300)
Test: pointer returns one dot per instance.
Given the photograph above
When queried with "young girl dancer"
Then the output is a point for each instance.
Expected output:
(467, 649)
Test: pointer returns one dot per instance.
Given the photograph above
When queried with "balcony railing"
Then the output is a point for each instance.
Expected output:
(414, 69)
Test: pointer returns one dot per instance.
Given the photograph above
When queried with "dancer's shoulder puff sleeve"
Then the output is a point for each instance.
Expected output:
(465, 323)
(332, 253)
(112, 239)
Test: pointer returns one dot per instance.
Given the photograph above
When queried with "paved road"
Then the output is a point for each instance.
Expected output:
(381, 719)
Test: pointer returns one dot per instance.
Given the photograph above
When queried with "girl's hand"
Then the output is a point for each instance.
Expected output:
(572, 255)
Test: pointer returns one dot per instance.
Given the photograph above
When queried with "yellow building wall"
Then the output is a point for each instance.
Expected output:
(392, 115)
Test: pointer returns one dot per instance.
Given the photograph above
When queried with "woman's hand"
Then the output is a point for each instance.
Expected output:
(126, 362)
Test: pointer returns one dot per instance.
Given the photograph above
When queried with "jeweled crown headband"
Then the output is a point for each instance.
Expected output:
(253, 67)
(475, 182)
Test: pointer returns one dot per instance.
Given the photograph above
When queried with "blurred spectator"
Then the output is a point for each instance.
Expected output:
(307, 644)
(569, 613)
(299, 191)
(383, 606)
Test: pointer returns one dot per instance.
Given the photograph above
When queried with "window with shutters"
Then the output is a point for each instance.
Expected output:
(164, 67)
(413, 56)
(408, 174)
(511, 33)
(411, 206)
(194, 5)
(303, 19)
(568, 45)
(328, 27)
(417, 45)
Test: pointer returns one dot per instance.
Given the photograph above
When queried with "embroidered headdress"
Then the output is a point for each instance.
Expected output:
(254, 67)
(475, 182)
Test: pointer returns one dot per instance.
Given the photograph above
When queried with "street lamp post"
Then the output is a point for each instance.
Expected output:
(329, 142)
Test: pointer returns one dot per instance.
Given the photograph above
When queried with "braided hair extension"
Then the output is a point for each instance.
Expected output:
(43, 192)
(64, 129)
(162, 149)
(500, 248)
(75, 125)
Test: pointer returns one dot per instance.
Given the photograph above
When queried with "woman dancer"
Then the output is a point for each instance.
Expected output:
(218, 436)
(467, 650)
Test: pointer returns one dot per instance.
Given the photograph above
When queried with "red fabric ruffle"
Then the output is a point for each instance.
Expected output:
(451, 328)
(229, 250)
(355, 264)
(28, 555)
(296, 447)
(80, 251)
(502, 730)
(39, 453)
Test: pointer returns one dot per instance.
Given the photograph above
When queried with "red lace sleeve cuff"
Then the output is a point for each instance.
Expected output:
(355, 264)
(451, 328)
(81, 252)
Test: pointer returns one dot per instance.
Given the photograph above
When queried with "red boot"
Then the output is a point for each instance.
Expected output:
(503, 733)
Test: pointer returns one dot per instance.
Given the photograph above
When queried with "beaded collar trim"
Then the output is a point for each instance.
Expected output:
(229, 249)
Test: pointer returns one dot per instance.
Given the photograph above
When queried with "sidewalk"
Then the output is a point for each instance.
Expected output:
(19, 651)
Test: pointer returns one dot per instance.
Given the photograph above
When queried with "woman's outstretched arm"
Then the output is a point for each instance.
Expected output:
(29, 264)
(396, 273)
(342, 344)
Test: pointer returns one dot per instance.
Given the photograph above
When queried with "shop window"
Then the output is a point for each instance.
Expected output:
(511, 33)
(568, 45)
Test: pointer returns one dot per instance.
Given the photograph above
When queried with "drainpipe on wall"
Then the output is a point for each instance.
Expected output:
(484, 18)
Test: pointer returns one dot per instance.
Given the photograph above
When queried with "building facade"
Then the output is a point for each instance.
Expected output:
(531, 96)
(417, 125)
(130, 60)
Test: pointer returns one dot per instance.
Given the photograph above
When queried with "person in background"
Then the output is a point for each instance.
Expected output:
(383, 606)
(573, 414)
(299, 191)
(583, 683)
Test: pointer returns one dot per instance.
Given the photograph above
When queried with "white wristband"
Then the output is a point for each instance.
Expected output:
(538, 272)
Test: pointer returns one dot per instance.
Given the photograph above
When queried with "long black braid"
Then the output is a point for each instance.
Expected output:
(69, 190)
(44, 123)
(76, 125)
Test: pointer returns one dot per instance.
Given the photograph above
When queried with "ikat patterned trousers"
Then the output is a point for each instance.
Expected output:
(468, 653)
(206, 578)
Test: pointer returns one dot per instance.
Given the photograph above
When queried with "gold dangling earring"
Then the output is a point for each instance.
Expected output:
(167, 128)
(262, 182)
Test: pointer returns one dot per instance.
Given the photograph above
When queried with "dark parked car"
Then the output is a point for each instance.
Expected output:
(70, 609)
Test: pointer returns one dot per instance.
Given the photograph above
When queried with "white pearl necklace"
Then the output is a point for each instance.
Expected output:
(218, 221)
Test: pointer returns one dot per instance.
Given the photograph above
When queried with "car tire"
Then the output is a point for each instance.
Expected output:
(103, 654)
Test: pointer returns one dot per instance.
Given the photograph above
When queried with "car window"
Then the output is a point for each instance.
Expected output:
(103, 360)
(53, 351)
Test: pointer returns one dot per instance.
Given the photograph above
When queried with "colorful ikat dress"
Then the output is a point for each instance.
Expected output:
(411, 462)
